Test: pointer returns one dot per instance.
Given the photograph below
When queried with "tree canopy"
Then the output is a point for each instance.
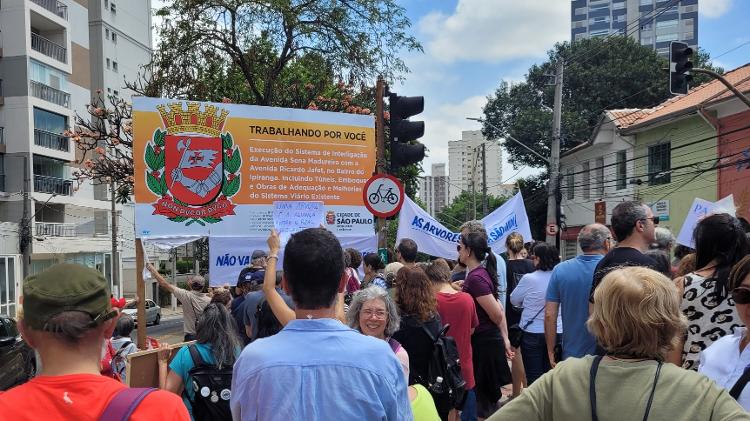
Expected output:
(463, 208)
(599, 74)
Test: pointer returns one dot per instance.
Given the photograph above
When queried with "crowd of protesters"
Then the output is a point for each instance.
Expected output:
(635, 326)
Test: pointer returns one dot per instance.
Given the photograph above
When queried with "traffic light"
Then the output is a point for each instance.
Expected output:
(679, 68)
(404, 133)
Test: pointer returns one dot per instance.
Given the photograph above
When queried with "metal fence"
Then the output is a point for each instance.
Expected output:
(48, 48)
(49, 93)
(54, 6)
(52, 185)
(51, 140)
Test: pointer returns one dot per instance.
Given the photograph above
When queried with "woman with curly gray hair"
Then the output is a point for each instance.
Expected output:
(374, 313)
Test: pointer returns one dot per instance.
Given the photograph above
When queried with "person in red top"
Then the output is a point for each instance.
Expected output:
(457, 309)
(66, 317)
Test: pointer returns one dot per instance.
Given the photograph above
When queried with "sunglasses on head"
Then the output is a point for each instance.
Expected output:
(741, 295)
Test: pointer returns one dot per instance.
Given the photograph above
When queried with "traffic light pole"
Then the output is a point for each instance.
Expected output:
(484, 179)
(554, 160)
(380, 151)
(726, 83)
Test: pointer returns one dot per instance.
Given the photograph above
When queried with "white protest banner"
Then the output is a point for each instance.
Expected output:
(698, 210)
(228, 255)
(509, 217)
(430, 235)
(290, 217)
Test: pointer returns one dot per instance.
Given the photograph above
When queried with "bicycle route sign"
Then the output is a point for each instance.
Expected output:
(383, 195)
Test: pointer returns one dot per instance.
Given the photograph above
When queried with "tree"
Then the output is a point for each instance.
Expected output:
(264, 45)
(600, 74)
(463, 207)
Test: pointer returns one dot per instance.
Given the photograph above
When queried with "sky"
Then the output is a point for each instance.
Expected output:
(470, 46)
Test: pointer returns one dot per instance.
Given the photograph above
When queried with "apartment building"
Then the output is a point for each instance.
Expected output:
(433, 189)
(55, 54)
(653, 23)
(465, 165)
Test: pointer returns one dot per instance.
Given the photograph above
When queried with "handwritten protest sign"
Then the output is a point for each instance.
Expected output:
(143, 366)
(698, 210)
(293, 216)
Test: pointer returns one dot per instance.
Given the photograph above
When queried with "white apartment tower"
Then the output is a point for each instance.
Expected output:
(465, 165)
(55, 54)
(433, 189)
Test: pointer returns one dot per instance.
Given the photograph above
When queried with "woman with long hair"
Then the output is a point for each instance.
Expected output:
(217, 343)
(489, 343)
(530, 295)
(720, 242)
(636, 317)
(373, 266)
(517, 266)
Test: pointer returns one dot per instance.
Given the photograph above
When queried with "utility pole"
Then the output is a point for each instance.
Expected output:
(484, 179)
(380, 151)
(554, 161)
(115, 252)
(26, 238)
(140, 287)
(173, 302)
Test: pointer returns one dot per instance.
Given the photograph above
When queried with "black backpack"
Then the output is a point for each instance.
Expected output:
(211, 387)
(268, 324)
(445, 364)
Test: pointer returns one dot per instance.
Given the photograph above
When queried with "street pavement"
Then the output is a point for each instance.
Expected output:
(168, 331)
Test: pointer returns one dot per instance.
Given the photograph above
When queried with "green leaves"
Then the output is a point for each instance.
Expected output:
(226, 140)
(231, 187)
(159, 137)
(211, 219)
(155, 185)
(233, 164)
(178, 219)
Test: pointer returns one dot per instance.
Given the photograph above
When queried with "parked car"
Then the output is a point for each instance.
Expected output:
(153, 312)
(17, 362)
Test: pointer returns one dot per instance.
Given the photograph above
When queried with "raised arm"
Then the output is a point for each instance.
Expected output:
(279, 307)
(160, 279)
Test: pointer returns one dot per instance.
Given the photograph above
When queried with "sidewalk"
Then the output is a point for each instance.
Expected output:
(167, 313)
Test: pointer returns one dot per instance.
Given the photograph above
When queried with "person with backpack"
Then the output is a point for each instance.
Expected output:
(67, 315)
(456, 308)
(420, 327)
(123, 345)
(374, 272)
(202, 372)
(260, 320)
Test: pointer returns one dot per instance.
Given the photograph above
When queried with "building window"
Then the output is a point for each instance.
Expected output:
(599, 33)
(600, 19)
(647, 41)
(570, 182)
(621, 170)
(116, 93)
(106, 32)
(114, 37)
(621, 18)
(580, 11)
(106, 4)
(659, 164)
(647, 2)
(667, 23)
(618, 5)
(108, 65)
(586, 181)
(668, 37)
(109, 90)
(113, 8)
(600, 176)
(114, 65)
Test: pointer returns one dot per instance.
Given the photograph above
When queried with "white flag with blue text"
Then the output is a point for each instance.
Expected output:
(509, 217)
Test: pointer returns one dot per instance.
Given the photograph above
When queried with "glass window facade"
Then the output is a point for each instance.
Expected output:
(49, 76)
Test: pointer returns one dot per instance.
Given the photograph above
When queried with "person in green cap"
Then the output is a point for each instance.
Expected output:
(66, 317)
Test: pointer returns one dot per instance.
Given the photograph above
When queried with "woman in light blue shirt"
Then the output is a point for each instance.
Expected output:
(530, 294)
(729, 357)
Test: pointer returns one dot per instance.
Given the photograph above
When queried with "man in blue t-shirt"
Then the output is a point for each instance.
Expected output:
(569, 288)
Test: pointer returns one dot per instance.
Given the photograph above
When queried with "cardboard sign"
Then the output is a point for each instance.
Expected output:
(142, 369)
(698, 210)
(291, 217)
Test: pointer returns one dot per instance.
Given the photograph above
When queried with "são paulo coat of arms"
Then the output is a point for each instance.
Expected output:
(192, 165)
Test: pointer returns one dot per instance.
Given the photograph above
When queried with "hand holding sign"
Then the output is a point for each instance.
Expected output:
(291, 217)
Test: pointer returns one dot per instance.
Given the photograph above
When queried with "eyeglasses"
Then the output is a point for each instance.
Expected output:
(376, 314)
(741, 295)
(654, 219)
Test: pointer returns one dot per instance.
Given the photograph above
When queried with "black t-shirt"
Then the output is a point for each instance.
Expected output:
(251, 274)
(616, 258)
(515, 269)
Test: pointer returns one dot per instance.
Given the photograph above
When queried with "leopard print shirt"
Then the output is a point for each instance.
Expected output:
(709, 316)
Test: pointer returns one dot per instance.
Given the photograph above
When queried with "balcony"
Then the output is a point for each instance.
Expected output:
(48, 48)
(52, 185)
(49, 93)
(50, 140)
(55, 229)
(54, 6)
